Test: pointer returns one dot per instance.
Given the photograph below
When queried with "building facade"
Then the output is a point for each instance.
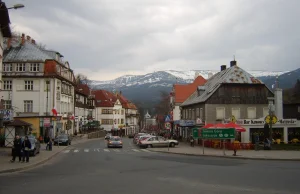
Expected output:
(38, 87)
(235, 95)
(84, 107)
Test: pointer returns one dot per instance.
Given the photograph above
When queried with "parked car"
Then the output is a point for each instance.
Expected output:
(107, 136)
(142, 138)
(157, 141)
(131, 135)
(64, 139)
(136, 137)
(115, 141)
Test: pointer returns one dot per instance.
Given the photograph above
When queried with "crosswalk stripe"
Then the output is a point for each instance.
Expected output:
(116, 150)
(144, 150)
(76, 150)
(135, 150)
(66, 151)
(106, 150)
(86, 150)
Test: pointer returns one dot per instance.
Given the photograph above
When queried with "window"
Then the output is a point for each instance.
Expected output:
(193, 114)
(28, 85)
(7, 85)
(106, 121)
(251, 112)
(197, 112)
(20, 67)
(236, 113)
(122, 121)
(201, 113)
(220, 113)
(122, 111)
(107, 111)
(7, 67)
(34, 67)
(265, 111)
(28, 106)
(7, 104)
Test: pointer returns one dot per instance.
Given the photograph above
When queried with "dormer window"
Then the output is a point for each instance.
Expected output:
(20, 67)
(35, 67)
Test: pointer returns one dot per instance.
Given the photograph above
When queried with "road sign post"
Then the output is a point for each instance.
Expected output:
(215, 133)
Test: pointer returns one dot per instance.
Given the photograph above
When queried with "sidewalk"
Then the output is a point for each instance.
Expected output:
(185, 149)
(5, 156)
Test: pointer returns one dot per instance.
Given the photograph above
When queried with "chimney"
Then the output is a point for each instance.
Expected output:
(28, 37)
(232, 63)
(8, 43)
(23, 39)
(223, 67)
(32, 41)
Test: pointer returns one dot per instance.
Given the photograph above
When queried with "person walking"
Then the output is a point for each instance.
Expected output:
(16, 150)
(26, 146)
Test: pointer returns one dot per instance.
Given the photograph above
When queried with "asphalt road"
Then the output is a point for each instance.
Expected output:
(92, 168)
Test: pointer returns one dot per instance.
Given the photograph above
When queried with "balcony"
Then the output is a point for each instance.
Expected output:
(81, 105)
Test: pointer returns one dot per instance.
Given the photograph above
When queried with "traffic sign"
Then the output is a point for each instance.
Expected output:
(197, 133)
(269, 118)
(168, 125)
(227, 133)
(167, 119)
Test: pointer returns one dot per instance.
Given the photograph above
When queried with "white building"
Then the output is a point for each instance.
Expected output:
(115, 113)
(37, 83)
(84, 108)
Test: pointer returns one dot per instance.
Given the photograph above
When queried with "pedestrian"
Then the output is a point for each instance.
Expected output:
(49, 145)
(192, 141)
(16, 150)
(256, 142)
(26, 146)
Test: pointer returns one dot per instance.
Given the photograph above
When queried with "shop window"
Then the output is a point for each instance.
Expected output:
(197, 112)
(251, 111)
(220, 113)
(201, 113)
(236, 113)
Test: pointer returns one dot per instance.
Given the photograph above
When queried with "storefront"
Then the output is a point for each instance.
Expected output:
(185, 127)
(283, 129)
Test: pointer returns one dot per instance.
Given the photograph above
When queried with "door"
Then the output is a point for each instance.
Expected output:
(163, 142)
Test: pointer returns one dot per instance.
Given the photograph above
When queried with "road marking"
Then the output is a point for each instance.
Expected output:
(135, 150)
(66, 151)
(106, 150)
(116, 150)
(86, 150)
(144, 150)
(76, 150)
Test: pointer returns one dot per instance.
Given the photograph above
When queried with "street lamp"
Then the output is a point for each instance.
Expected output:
(47, 83)
(271, 108)
(16, 6)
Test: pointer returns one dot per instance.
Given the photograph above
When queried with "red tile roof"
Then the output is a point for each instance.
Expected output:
(82, 89)
(182, 92)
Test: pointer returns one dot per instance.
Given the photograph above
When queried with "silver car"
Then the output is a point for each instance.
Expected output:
(115, 142)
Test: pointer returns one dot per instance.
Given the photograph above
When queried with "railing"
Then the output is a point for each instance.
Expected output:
(97, 134)
(228, 145)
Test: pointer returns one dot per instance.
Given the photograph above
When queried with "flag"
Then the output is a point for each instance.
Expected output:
(54, 111)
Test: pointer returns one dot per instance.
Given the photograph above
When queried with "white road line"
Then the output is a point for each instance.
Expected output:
(106, 150)
(116, 150)
(135, 150)
(86, 150)
(144, 150)
(66, 151)
(76, 150)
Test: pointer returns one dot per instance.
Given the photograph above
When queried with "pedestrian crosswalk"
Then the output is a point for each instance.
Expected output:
(104, 150)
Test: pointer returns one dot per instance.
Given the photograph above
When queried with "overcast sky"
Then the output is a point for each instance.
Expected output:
(107, 39)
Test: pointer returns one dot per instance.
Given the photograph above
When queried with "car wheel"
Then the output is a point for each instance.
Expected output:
(172, 144)
(150, 146)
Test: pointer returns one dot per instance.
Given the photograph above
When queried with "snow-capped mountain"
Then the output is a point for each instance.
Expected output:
(169, 77)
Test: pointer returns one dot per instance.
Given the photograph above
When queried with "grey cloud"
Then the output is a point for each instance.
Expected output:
(136, 35)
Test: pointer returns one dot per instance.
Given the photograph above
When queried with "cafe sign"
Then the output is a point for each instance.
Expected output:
(262, 121)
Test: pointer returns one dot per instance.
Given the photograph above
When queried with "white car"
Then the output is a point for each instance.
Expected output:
(157, 141)
(143, 137)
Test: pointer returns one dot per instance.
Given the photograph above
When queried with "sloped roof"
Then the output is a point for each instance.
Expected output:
(83, 89)
(182, 92)
(19, 123)
(26, 52)
(104, 98)
(125, 102)
(232, 75)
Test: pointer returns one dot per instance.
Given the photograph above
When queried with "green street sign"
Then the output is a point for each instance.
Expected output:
(195, 133)
(226, 133)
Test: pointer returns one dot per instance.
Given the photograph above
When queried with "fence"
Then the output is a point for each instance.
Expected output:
(96, 134)
(228, 145)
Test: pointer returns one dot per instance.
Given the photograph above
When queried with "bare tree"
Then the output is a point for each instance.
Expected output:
(163, 107)
(82, 79)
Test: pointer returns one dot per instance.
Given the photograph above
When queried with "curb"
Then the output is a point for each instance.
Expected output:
(35, 164)
(229, 157)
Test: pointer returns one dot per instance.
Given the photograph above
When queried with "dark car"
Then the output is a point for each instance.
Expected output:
(63, 140)
(131, 135)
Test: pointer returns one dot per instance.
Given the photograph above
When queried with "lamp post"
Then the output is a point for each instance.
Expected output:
(271, 108)
(16, 6)
(47, 87)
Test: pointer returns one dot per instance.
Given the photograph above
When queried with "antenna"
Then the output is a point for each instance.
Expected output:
(234, 57)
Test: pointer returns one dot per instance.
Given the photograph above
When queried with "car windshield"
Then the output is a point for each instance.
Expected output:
(32, 140)
(63, 137)
(115, 139)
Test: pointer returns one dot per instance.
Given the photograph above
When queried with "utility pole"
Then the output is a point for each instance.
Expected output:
(47, 86)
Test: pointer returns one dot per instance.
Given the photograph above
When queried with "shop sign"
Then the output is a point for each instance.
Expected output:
(7, 114)
(262, 121)
(47, 122)
(187, 123)
(199, 121)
